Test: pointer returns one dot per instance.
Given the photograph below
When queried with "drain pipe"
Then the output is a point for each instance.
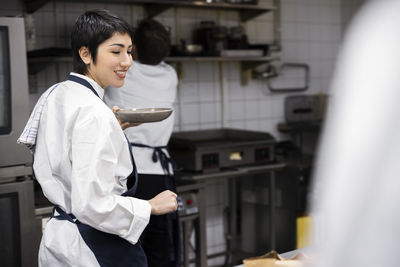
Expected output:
(224, 94)
(277, 45)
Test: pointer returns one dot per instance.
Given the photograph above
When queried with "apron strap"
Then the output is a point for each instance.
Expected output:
(82, 82)
(133, 178)
(62, 215)
(159, 154)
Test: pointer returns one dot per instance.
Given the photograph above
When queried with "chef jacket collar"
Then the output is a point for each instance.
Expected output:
(96, 86)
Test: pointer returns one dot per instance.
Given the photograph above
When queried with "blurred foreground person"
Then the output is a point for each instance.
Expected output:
(357, 180)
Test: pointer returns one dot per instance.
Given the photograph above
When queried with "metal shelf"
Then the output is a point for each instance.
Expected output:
(154, 8)
(252, 59)
(36, 64)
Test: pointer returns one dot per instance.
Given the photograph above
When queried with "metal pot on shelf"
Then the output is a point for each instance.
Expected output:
(184, 49)
(213, 38)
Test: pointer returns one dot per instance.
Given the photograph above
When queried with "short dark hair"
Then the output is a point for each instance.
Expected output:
(152, 42)
(90, 30)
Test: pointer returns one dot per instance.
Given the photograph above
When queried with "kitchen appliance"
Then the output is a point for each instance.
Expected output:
(237, 38)
(245, 160)
(19, 229)
(214, 150)
(211, 37)
(192, 219)
(15, 160)
(304, 108)
(188, 204)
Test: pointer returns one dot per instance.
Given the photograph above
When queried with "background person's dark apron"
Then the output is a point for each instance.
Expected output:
(110, 250)
(154, 239)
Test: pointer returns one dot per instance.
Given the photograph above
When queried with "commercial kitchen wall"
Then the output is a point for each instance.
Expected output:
(311, 32)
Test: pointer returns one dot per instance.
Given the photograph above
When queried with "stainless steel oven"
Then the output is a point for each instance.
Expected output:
(219, 149)
(20, 231)
(14, 98)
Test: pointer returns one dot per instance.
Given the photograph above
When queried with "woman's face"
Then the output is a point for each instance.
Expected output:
(113, 61)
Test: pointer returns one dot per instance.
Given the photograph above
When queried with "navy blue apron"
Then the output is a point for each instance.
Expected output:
(110, 250)
(169, 182)
(159, 154)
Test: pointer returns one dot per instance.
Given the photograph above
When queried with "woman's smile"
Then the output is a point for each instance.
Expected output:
(121, 73)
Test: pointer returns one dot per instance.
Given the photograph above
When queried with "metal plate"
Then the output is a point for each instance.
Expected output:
(142, 115)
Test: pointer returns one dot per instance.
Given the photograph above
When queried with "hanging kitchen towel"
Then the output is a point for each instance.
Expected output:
(28, 136)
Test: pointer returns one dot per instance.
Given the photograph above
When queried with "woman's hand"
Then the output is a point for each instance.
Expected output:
(164, 202)
(124, 124)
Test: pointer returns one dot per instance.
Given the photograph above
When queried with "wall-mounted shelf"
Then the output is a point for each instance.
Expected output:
(220, 59)
(36, 64)
(246, 63)
(154, 8)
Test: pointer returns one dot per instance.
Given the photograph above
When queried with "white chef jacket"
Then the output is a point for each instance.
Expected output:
(81, 161)
(147, 86)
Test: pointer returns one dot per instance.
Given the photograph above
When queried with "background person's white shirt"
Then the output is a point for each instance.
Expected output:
(358, 167)
(81, 161)
(147, 86)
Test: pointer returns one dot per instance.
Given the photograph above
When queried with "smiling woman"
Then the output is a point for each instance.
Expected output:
(82, 159)
(113, 60)
(103, 50)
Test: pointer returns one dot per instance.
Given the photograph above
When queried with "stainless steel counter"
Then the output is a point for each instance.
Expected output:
(230, 175)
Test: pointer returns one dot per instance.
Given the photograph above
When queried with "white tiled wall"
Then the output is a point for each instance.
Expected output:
(211, 95)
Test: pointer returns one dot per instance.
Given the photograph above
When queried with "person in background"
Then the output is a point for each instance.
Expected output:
(151, 83)
(82, 159)
(357, 180)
